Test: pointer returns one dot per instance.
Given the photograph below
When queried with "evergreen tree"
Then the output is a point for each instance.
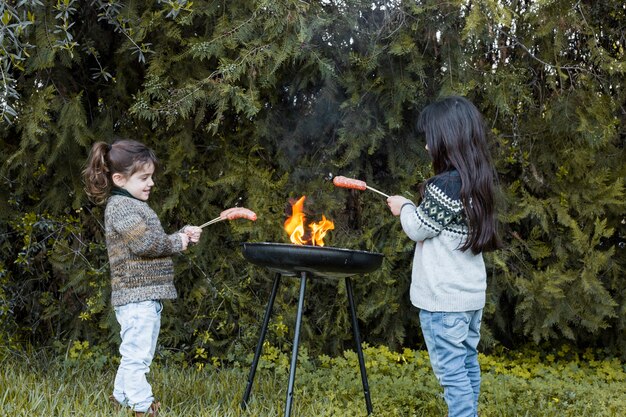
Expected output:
(253, 102)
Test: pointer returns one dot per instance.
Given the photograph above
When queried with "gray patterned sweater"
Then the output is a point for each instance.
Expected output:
(444, 279)
(139, 252)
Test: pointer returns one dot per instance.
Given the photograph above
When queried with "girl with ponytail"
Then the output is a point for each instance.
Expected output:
(142, 271)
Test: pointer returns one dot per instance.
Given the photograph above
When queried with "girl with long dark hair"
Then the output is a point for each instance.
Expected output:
(453, 225)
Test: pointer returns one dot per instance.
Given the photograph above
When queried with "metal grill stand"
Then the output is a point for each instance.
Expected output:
(296, 341)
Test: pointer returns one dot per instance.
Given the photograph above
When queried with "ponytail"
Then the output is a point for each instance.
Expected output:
(96, 175)
(125, 156)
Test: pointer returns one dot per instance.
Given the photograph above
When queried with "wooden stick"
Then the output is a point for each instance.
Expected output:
(376, 191)
(210, 222)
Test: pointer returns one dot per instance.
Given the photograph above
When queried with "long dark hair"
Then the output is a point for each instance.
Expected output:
(455, 135)
(124, 156)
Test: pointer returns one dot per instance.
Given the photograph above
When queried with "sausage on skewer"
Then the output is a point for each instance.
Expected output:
(238, 213)
(345, 182)
(232, 214)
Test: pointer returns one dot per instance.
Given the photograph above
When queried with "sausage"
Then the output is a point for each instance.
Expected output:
(238, 213)
(346, 182)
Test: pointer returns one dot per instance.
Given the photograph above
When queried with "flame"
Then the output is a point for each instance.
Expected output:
(294, 226)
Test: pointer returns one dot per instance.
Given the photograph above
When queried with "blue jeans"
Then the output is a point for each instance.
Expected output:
(140, 323)
(451, 339)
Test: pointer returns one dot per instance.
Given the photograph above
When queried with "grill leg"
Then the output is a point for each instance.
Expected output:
(294, 350)
(259, 346)
(359, 351)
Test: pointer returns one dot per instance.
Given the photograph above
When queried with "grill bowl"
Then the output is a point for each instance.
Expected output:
(290, 259)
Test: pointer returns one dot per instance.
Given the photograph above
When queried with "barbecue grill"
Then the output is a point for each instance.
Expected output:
(308, 261)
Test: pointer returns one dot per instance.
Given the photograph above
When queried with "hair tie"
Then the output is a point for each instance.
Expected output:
(109, 147)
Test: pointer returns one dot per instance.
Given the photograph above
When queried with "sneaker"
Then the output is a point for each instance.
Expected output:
(152, 411)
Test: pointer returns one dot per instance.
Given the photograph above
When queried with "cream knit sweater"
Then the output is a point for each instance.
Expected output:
(139, 252)
(444, 279)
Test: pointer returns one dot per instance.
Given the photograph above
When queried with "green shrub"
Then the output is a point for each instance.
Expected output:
(514, 384)
(253, 102)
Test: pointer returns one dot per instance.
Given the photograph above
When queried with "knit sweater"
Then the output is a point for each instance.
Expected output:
(139, 252)
(444, 278)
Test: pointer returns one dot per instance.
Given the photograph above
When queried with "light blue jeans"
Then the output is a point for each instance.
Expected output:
(140, 323)
(451, 339)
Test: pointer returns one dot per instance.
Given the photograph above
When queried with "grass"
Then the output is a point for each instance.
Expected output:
(401, 384)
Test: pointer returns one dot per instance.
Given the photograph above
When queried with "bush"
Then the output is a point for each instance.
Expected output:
(565, 383)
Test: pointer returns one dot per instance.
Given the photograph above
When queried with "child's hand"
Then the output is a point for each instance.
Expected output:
(395, 203)
(185, 240)
(193, 232)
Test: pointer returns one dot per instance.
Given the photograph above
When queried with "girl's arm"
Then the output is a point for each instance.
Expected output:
(415, 225)
(428, 219)
(146, 241)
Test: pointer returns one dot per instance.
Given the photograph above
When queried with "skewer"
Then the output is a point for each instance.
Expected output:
(210, 222)
(376, 191)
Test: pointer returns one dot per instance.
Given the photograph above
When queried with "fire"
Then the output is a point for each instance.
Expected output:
(294, 226)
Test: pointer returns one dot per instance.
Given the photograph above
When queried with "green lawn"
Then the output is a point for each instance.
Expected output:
(521, 384)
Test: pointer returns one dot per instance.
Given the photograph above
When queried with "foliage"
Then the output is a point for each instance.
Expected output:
(525, 383)
(253, 102)
(14, 23)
